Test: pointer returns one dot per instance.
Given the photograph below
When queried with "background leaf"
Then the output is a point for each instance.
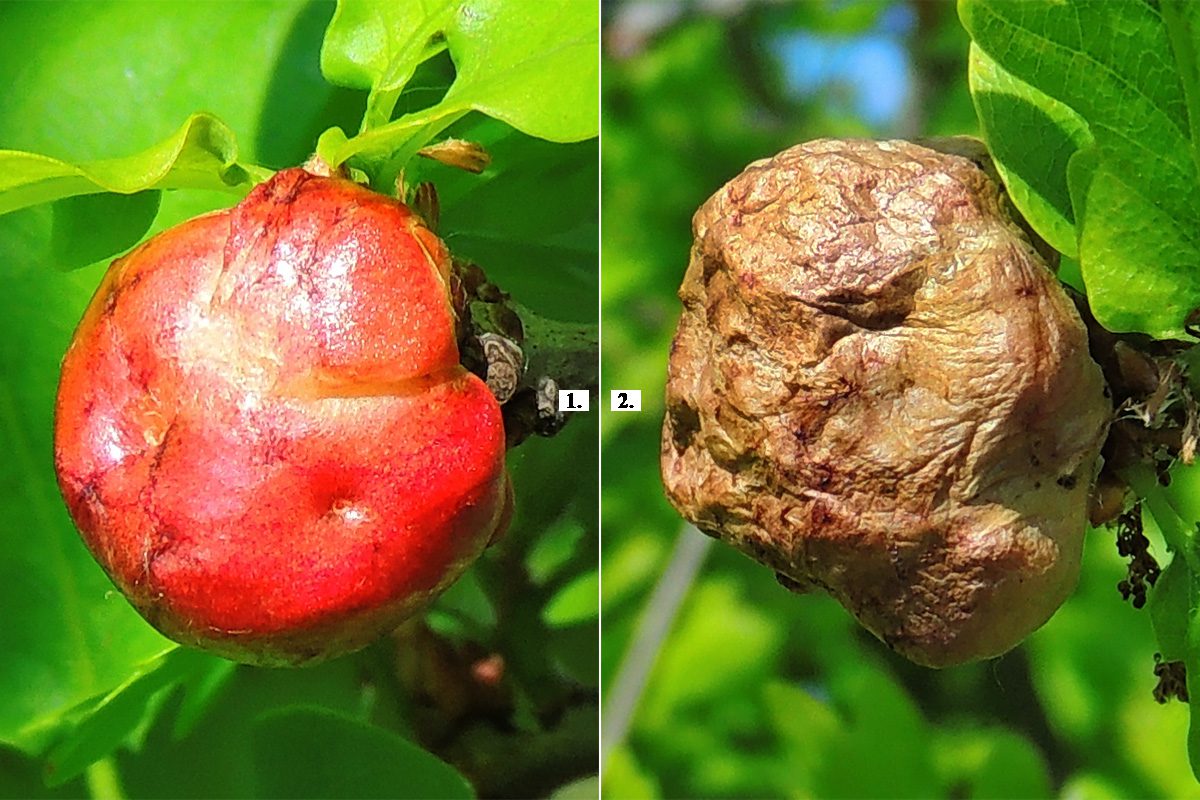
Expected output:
(21, 778)
(1170, 609)
(1136, 206)
(88, 228)
(202, 154)
(313, 753)
(576, 602)
(378, 46)
(367, 40)
(67, 635)
(540, 246)
(532, 67)
(1031, 137)
(163, 765)
(127, 710)
(992, 763)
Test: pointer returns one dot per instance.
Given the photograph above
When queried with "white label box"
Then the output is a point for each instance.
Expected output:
(626, 400)
(572, 400)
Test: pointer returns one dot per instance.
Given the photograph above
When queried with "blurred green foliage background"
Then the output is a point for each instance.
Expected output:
(754, 691)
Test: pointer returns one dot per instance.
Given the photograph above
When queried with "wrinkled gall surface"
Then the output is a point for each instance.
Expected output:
(263, 431)
(878, 387)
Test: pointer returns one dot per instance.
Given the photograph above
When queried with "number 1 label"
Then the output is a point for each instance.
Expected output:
(572, 400)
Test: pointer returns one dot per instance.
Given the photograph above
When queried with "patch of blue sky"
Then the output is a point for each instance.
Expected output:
(871, 70)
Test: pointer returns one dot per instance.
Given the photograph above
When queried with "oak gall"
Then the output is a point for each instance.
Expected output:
(878, 388)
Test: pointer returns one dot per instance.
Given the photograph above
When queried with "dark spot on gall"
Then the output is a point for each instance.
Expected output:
(685, 424)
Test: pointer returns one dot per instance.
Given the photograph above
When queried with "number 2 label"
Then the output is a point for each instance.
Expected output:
(626, 400)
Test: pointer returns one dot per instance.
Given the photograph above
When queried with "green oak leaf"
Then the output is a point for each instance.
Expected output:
(1126, 70)
(576, 602)
(102, 724)
(534, 67)
(103, 207)
(522, 243)
(1168, 606)
(378, 47)
(202, 154)
(311, 752)
(67, 635)
(991, 762)
(370, 44)
(88, 228)
(1013, 114)
(1175, 601)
